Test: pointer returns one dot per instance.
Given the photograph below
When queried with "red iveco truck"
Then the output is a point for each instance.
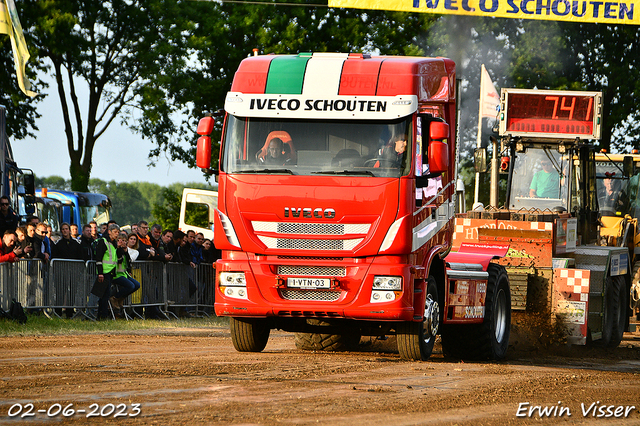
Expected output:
(336, 202)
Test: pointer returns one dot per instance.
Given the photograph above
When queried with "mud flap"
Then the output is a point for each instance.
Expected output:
(571, 294)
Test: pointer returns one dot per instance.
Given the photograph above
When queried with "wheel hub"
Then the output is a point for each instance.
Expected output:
(431, 317)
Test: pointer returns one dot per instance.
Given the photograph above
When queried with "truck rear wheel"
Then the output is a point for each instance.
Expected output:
(619, 310)
(490, 339)
(416, 339)
(609, 314)
(249, 334)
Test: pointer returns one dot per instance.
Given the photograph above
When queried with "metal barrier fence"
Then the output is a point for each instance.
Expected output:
(66, 284)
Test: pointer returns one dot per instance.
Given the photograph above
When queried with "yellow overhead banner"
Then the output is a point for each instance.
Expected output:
(596, 11)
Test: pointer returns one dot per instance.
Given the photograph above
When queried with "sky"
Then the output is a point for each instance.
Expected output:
(118, 155)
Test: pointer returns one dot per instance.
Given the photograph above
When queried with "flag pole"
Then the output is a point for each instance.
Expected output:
(479, 137)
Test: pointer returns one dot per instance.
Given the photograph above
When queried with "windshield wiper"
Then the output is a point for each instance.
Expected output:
(285, 171)
(345, 172)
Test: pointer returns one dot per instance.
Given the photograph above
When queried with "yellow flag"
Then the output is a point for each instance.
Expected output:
(10, 24)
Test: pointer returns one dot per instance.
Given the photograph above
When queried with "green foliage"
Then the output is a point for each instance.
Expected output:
(220, 35)
(21, 110)
(167, 212)
(128, 204)
(136, 201)
(197, 215)
(53, 182)
(172, 62)
(112, 47)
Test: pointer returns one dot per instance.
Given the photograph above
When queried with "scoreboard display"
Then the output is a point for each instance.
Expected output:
(554, 114)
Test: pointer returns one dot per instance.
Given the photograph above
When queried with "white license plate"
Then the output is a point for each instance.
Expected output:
(309, 282)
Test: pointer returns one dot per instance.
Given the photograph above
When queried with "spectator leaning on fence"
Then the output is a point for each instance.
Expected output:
(122, 278)
(66, 247)
(86, 243)
(156, 242)
(209, 252)
(9, 252)
(34, 242)
(9, 220)
(145, 248)
(165, 240)
(94, 230)
(42, 231)
(21, 232)
(171, 246)
(106, 262)
(196, 249)
(74, 232)
(184, 249)
(132, 247)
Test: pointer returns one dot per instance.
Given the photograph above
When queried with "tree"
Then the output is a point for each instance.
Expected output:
(21, 109)
(113, 48)
(52, 182)
(223, 34)
(127, 203)
(167, 213)
(608, 58)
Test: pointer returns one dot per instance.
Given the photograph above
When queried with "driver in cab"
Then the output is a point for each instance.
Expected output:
(546, 182)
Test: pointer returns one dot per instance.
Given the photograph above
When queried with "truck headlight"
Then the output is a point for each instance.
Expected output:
(233, 284)
(387, 283)
(233, 279)
(385, 289)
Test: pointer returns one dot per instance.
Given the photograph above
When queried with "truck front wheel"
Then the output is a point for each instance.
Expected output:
(249, 334)
(416, 339)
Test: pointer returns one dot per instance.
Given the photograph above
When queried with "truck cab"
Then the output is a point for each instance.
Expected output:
(336, 200)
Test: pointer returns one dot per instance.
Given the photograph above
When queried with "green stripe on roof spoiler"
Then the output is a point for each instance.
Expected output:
(286, 74)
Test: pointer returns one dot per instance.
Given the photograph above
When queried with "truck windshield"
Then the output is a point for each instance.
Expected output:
(317, 147)
(616, 193)
(538, 180)
(99, 214)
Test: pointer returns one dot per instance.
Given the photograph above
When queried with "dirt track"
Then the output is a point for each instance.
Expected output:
(189, 376)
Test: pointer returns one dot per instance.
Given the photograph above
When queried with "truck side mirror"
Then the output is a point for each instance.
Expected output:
(438, 149)
(480, 160)
(205, 126)
(29, 184)
(627, 166)
(203, 152)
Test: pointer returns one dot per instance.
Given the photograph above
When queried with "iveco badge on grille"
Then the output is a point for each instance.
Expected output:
(309, 213)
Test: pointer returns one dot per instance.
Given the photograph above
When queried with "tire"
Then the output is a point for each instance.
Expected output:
(619, 305)
(249, 334)
(327, 342)
(608, 314)
(416, 339)
(490, 339)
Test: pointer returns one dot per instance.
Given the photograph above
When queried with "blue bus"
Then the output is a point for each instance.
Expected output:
(80, 208)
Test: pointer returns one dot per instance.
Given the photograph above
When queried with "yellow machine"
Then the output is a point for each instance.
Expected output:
(617, 188)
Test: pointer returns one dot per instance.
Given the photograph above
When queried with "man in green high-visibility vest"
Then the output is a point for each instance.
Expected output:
(106, 262)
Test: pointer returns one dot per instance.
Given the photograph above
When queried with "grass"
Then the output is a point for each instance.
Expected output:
(44, 326)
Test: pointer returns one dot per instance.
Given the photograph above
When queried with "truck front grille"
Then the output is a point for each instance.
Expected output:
(311, 228)
(312, 271)
(316, 295)
(299, 244)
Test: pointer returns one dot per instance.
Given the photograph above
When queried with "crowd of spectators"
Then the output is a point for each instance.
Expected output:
(112, 249)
